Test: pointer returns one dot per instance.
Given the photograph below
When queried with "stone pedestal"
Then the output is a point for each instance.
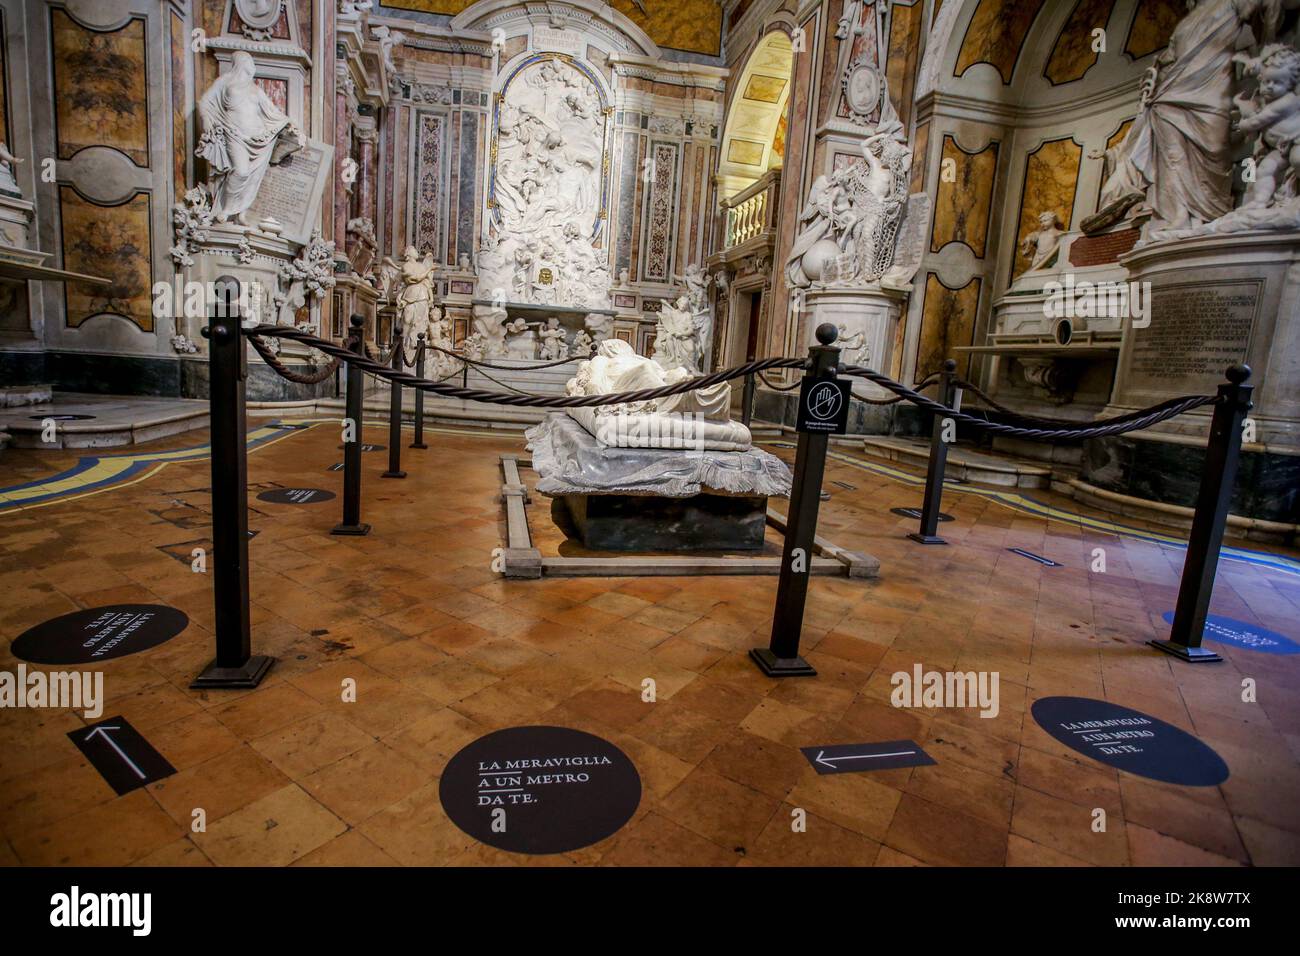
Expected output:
(873, 312)
(653, 523)
(1216, 301)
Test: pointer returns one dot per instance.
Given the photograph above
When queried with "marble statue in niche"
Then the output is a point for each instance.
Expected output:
(8, 182)
(849, 226)
(677, 341)
(547, 184)
(1041, 244)
(1175, 163)
(415, 278)
(243, 134)
(553, 345)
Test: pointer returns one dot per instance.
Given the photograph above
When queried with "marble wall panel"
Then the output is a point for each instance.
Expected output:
(99, 90)
(947, 321)
(1153, 22)
(661, 212)
(995, 35)
(903, 56)
(113, 242)
(964, 202)
(1073, 54)
(430, 175)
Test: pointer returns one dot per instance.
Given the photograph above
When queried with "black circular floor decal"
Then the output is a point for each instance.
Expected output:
(295, 496)
(1130, 740)
(63, 417)
(99, 634)
(540, 789)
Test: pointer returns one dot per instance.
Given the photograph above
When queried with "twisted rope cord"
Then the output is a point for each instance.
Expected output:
(508, 368)
(298, 378)
(406, 379)
(1143, 418)
(778, 388)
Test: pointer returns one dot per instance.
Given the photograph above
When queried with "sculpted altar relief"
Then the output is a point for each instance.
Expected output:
(547, 188)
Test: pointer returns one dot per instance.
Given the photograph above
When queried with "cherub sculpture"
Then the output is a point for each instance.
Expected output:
(552, 338)
(1041, 244)
(1274, 113)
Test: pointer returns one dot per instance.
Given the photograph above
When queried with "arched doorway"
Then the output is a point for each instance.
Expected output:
(748, 189)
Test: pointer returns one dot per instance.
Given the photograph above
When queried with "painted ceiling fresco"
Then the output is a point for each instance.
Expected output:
(691, 25)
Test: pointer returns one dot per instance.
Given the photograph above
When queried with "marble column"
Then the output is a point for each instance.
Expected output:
(342, 150)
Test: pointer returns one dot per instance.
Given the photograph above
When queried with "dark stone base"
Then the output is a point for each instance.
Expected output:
(653, 523)
(1268, 484)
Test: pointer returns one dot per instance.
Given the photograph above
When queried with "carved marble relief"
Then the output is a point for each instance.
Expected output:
(99, 88)
(947, 321)
(1051, 175)
(1072, 53)
(962, 209)
(995, 35)
(110, 241)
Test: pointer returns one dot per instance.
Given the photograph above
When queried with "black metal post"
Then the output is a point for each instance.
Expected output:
(353, 429)
(949, 395)
(747, 400)
(395, 411)
(419, 395)
(464, 374)
(235, 665)
(1222, 455)
(781, 658)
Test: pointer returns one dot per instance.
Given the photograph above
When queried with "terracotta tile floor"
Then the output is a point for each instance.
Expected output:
(443, 651)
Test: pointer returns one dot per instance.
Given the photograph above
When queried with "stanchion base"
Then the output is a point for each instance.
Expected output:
(1193, 655)
(417, 445)
(353, 529)
(926, 538)
(774, 666)
(249, 675)
(393, 474)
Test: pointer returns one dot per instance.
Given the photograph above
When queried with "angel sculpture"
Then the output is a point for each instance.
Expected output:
(414, 277)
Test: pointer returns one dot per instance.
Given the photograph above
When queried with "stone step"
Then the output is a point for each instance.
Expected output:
(111, 420)
(12, 396)
(964, 464)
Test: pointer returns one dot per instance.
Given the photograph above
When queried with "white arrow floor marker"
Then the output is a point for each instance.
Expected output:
(103, 732)
(830, 762)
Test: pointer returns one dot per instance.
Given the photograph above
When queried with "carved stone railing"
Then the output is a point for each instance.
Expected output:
(752, 212)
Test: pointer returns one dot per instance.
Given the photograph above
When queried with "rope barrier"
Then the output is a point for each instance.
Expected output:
(407, 380)
(1143, 418)
(298, 378)
(508, 368)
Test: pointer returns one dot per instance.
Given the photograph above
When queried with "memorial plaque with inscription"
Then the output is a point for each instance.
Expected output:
(1197, 330)
(291, 192)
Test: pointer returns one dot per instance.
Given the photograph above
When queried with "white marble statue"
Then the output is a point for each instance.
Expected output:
(853, 346)
(677, 342)
(388, 38)
(849, 226)
(415, 293)
(243, 134)
(583, 343)
(553, 344)
(8, 182)
(490, 326)
(617, 368)
(547, 190)
(1041, 244)
(521, 340)
(1175, 163)
(697, 283)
